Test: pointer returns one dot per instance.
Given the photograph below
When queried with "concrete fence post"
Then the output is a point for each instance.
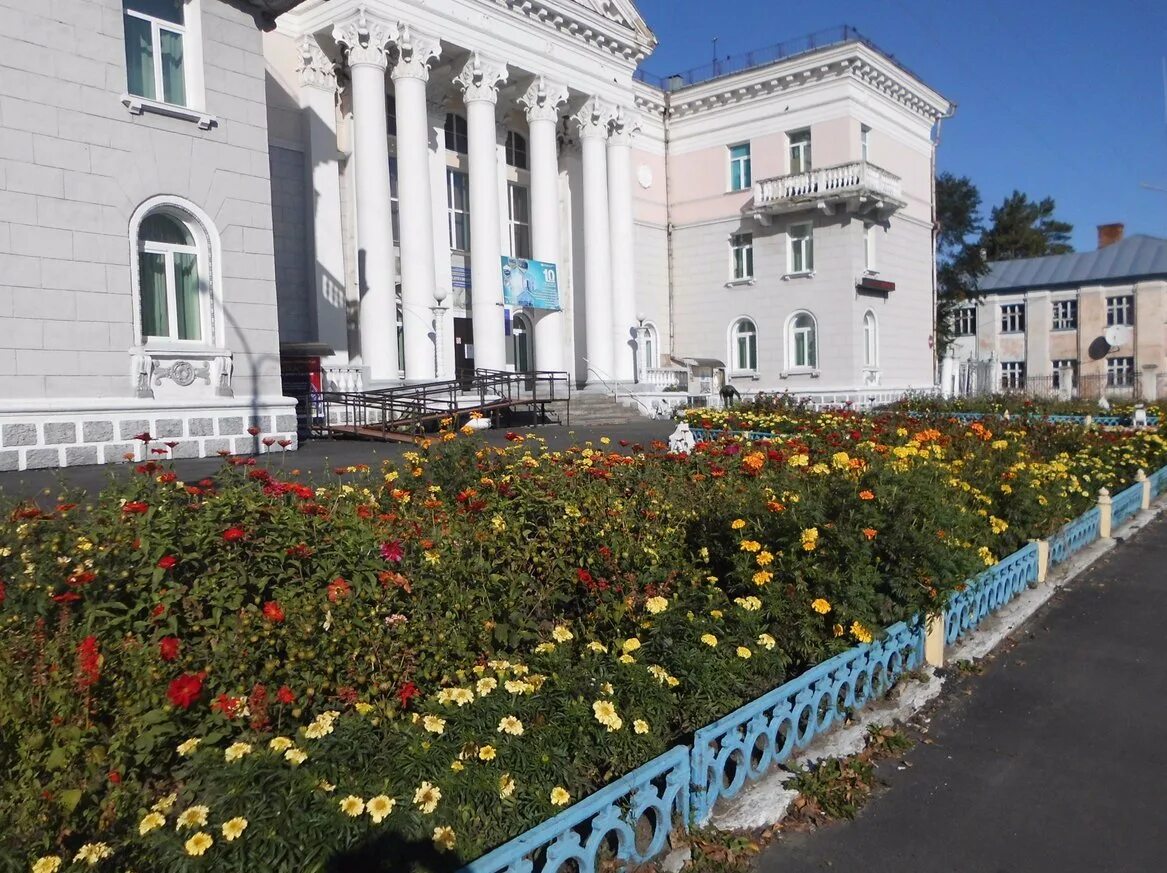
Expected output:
(1104, 514)
(1089, 421)
(934, 640)
(1141, 477)
(1042, 559)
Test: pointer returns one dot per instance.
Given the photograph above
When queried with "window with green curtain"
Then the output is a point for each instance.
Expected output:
(152, 279)
(186, 292)
(139, 57)
(173, 81)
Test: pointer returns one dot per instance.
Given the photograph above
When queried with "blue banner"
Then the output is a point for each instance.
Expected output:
(530, 284)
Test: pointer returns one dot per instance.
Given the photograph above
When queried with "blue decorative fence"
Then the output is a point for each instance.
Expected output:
(1158, 481)
(989, 591)
(1126, 503)
(1075, 536)
(628, 820)
(743, 745)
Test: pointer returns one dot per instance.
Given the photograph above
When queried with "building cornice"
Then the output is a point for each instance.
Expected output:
(633, 42)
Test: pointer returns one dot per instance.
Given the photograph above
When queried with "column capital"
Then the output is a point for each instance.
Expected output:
(624, 125)
(365, 39)
(593, 118)
(480, 78)
(317, 69)
(542, 99)
(415, 50)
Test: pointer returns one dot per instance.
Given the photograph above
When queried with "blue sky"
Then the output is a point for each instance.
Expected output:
(1059, 99)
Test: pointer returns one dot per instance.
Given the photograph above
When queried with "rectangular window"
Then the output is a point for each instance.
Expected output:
(1065, 314)
(864, 142)
(1012, 375)
(1120, 310)
(458, 202)
(966, 321)
(741, 248)
(154, 34)
(394, 201)
(869, 248)
(799, 151)
(1120, 372)
(1063, 365)
(1013, 318)
(801, 255)
(391, 114)
(519, 214)
(457, 139)
(740, 177)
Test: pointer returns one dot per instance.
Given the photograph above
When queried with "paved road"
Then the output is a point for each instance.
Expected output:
(317, 458)
(1054, 760)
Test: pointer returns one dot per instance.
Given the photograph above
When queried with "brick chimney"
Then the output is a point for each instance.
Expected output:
(1108, 234)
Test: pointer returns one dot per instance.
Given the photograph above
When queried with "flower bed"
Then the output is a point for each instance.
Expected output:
(1020, 404)
(423, 661)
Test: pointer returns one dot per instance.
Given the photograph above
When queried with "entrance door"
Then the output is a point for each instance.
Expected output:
(523, 337)
(463, 349)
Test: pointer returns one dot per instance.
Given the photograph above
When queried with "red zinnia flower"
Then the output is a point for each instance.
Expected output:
(185, 690)
(167, 562)
(393, 551)
(168, 648)
(268, 441)
(583, 575)
(228, 705)
(407, 692)
(115, 777)
(67, 597)
(135, 507)
(283, 444)
(285, 695)
(337, 589)
(254, 431)
(233, 534)
(272, 611)
(144, 436)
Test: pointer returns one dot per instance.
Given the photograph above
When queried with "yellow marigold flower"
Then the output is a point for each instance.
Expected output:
(352, 806)
(640, 726)
(605, 440)
(743, 652)
(93, 854)
(188, 746)
(433, 724)
(738, 523)
(709, 640)
(498, 523)
(749, 604)
(326, 787)
(47, 864)
(763, 558)
(426, 797)
(716, 613)
(192, 816)
(487, 753)
(544, 648)
(626, 659)
(810, 539)
(233, 828)
(766, 641)
(607, 688)
(860, 632)
(559, 796)
(198, 844)
(656, 605)
(235, 751)
(561, 634)
(597, 647)
(841, 460)
(799, 460)
(762, 577)
(295, 756)
(379, 807)
(151, 821)
(630, 645)
(822, 607)
(164, 803)
(837, 630)
(506, 786)
(518, 686)
(485, 686)
(280, 744)
(750, 546)
(444, 838)
(457, 766)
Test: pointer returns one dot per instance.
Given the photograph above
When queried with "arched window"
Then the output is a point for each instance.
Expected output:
(516, 150)
(456, 136)
(173, 281)
(870, 340)
(802, 342)
(744, 346)
(649, 348)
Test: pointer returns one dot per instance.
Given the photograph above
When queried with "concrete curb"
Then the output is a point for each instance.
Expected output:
(766, 802)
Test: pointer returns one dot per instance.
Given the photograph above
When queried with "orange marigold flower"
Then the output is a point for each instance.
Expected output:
(866, 495)
(870, 532)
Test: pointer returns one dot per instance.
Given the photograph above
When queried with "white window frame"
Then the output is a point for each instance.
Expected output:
(870, 340)
(869, 238)
(966, 320)
(648, 348)
(798, 152)
(455, 215)
(864, 142)
(194, 109)
(1067, 318)
(456, 131)
(512, 149)
(734, 359)
(1120, 372)
(1012, 318)
(805, 244)
(744, 167)
(1013, 375)
(209, 254)
(518, 230)
(810, 349)
(741, 257)
(1120, 310)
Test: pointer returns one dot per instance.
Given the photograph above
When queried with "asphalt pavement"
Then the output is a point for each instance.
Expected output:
(1052, 760)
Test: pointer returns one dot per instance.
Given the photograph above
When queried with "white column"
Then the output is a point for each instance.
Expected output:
(410, 74)
(593, 121)
(542, 100)
(624, 326)
(479, 82)
(443, 289)
(318, 93)
(364, 40)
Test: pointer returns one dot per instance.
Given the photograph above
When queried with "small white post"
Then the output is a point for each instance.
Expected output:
(1104, 510)
(1089, 420)
(1042, 559)
(934, 640)
(1141, 477)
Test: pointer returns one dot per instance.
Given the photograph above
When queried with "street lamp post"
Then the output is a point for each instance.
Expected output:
(640, 319)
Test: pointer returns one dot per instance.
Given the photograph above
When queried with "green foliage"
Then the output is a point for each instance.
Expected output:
(1024, 228)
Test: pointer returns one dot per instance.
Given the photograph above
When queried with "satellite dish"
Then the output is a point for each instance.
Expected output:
(1099, 349)
(1113, 337)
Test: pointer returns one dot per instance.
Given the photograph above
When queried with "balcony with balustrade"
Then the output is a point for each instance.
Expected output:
(857, 187)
